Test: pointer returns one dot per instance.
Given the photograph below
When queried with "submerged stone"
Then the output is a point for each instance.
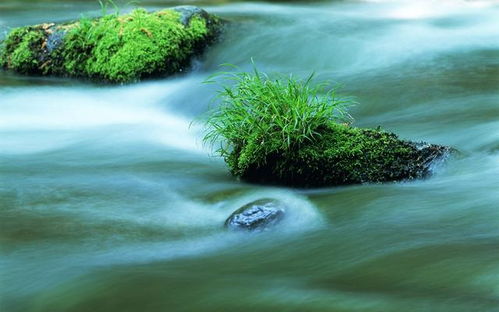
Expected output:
(341, 155)
(112, 48)
(256, 216)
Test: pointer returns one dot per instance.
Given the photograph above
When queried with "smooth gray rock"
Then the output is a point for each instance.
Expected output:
(256, 216)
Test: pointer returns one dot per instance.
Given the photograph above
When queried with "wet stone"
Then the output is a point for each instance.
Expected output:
(54, 40)
(188, 12)
(256, 216)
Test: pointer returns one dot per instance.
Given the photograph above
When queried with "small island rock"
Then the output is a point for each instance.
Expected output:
(112, 48)
(341, 155)
(256, 216)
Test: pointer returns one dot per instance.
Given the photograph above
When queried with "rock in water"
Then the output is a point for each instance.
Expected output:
(112, 48)
(341, 155)
(188, 12)
(256, 216)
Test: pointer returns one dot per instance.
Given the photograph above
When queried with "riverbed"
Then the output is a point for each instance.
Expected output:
(110, 201)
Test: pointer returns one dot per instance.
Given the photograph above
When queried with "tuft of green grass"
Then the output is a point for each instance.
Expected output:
(260, 114)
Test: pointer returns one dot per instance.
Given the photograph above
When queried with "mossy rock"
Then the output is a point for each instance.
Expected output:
(112, 48)
(341, 155)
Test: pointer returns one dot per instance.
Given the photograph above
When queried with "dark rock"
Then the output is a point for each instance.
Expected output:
(256, 216)
(189, 11)
(431, 155)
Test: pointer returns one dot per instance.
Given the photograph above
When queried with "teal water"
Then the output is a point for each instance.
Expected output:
(110, 202)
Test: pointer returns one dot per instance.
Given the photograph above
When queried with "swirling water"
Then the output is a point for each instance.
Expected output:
(110, 202)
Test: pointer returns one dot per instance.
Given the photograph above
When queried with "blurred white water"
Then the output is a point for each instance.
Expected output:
(43, 119)
(350, 38)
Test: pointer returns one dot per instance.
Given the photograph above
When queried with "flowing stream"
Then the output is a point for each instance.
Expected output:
(110, 202)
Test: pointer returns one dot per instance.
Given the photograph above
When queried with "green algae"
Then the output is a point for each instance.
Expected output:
(112, 48)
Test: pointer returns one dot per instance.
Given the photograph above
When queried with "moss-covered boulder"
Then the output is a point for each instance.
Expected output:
(340, 155)
(112, 48)
(288, 131)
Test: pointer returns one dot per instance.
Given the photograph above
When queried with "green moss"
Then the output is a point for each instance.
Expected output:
(20, 50)
(131, 46)
(341, 155)
(112, 48)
